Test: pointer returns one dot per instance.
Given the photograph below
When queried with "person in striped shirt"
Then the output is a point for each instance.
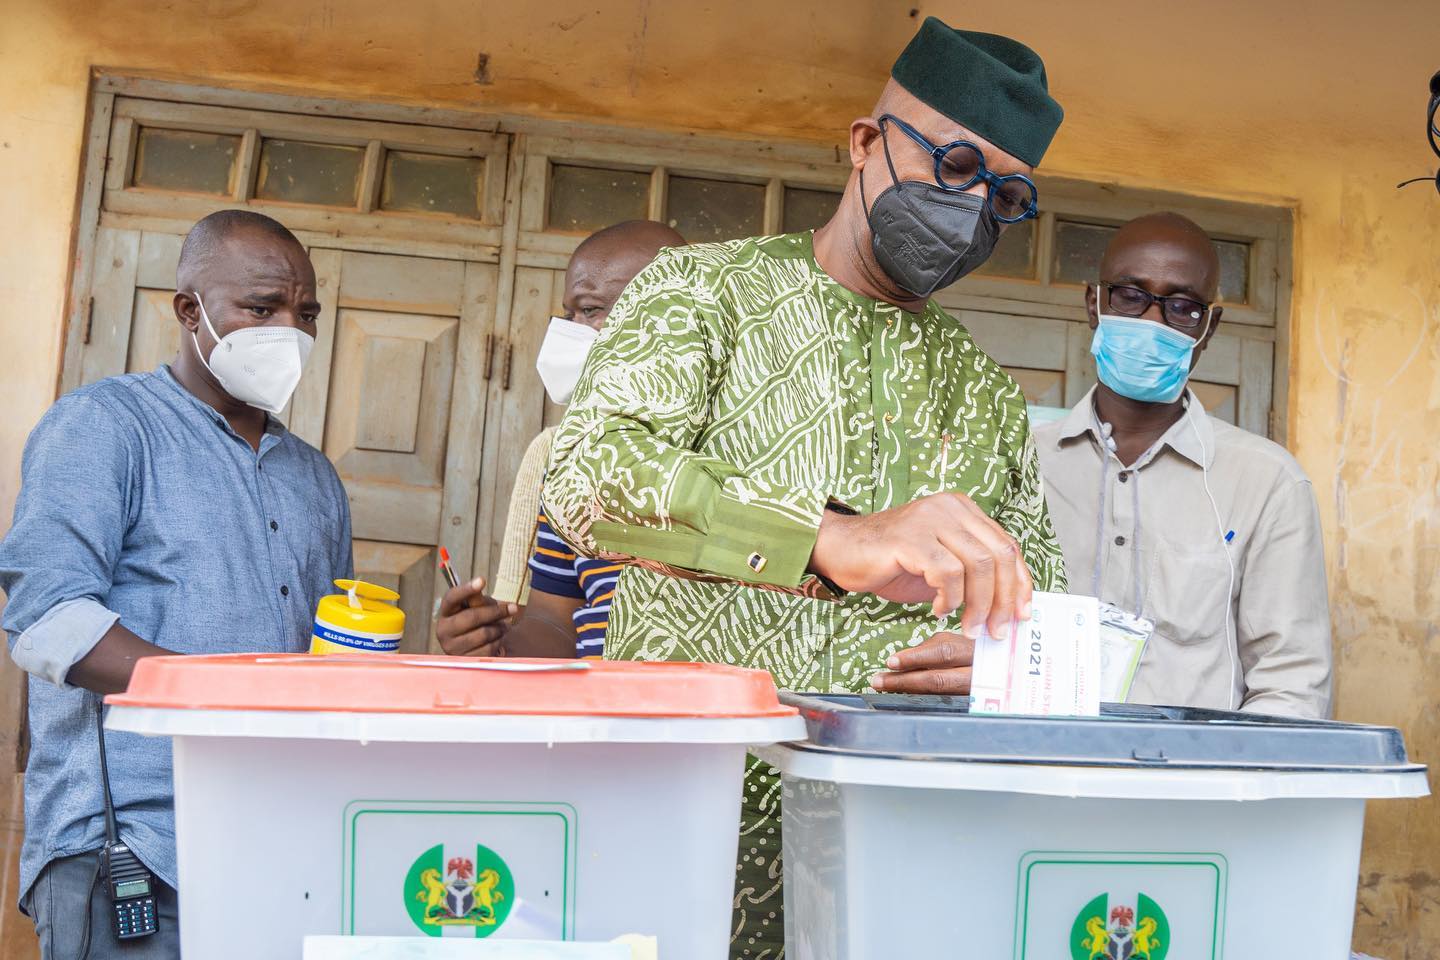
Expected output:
(564, 609)
(559, 572)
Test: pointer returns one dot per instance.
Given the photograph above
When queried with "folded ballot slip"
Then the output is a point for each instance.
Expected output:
(1049, 666)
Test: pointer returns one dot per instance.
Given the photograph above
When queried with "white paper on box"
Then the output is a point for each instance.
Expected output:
(428, 948)
(1049, 666)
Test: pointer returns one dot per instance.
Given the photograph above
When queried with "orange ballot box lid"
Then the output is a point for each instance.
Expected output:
(391, 684)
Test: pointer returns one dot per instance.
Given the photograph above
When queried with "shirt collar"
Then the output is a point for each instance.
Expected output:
(274, 430)
(1081, 418)
(1196, 445)
(802, 245)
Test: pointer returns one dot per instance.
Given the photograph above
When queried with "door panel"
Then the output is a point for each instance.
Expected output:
(403, 417)
(461, 497)
(1229, 385)
(1043, 388)
(132, 321)
(1257, 387)
(307, 407)
(403, 284)
(112, 304)
(518, 401)
(1036, 343)
(154, 332)
(390, 397)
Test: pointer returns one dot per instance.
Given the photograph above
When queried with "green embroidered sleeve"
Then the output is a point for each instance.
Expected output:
(1026, 518)
(625, 480)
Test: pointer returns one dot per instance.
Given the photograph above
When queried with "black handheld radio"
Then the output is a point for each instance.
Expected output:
(132, 889)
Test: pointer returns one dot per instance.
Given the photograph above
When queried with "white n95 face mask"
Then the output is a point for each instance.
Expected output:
(260, 366)
(562, 356)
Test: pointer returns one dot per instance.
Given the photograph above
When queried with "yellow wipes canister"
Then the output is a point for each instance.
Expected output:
(360, 619)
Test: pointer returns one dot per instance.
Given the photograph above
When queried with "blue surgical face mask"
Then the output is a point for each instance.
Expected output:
(1140, 359)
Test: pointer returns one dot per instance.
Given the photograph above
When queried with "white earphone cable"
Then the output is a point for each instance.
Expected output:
(1230, 641)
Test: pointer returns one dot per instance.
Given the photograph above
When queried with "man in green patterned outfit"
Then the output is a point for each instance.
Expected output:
(806, 463)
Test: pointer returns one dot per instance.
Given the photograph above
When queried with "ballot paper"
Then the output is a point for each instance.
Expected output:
(1049, 665)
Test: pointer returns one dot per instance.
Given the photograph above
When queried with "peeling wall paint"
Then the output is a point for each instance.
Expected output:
(1313, 105)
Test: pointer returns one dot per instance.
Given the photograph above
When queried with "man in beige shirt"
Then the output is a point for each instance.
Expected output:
(1208, 531)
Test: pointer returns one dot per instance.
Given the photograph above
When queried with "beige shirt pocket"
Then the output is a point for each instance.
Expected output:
(1187, 593)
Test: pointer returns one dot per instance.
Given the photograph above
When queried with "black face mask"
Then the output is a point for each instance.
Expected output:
(926, 238)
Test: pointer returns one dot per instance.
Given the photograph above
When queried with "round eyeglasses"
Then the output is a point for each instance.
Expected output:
(960, 165)
(1179, 312)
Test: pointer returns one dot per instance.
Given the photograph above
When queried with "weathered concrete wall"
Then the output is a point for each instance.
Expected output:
(1313, 104)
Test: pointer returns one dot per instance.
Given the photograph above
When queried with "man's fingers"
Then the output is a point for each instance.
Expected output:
(942, 571)
(1012, 594)
(466, 595)
(954, 681)
(455, 640)
(943, 650)
(485, 642)
(972, 537)
(943, 549)
(980, 568)
(1004, 606)
(472, 617)
(1027, 587)
(994, 586)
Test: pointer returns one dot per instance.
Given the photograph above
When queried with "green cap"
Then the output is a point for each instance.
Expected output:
(993, 85)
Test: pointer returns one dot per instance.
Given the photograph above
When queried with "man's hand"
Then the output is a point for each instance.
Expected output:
(472, 624)
(941, 664)
(941, 548)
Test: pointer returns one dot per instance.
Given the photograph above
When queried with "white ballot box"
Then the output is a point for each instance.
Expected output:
(382, 795)
(914, 828)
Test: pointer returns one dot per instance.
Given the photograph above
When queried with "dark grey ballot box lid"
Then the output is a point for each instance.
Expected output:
(1124, 735)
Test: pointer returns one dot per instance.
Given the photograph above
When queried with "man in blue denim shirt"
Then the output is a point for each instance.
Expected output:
(163, 512)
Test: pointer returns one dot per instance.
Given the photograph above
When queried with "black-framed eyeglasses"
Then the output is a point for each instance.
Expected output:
(960, 165)
(1432, 132)
(1182, 313)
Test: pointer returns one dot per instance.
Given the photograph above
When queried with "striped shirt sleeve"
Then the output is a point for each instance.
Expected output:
(552, 565)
